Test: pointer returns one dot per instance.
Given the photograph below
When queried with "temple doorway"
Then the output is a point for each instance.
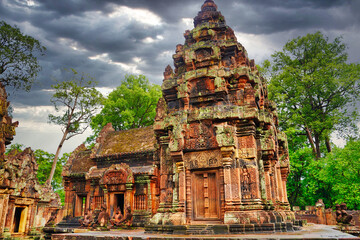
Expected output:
(206, 197)
(20, 217)
(80, 206)
(119, 202)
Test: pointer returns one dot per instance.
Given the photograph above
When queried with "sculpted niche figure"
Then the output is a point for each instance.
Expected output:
(341, 214)
(116, 220)
(88, 219)
(104, 217)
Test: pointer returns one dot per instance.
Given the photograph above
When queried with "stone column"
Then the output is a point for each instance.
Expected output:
(262, 176)
(128, 195)
(188, 205)
(106, 199)
(284, 174)
(227, 161)
(279, 184)
(182, 185)
(267, 183)
(91, 196)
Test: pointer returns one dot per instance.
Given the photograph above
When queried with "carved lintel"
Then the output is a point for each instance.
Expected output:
(203, 159)
(24, 201)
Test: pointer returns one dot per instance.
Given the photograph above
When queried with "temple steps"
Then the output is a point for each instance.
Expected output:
(199, 230)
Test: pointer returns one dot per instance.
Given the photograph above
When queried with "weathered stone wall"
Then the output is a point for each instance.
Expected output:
(319, 215)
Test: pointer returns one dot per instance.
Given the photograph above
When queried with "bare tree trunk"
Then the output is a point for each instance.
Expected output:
(53, 167)
(328, 145)
(309, 136)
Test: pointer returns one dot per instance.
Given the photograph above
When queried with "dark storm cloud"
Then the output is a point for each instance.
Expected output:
(110, 38)
(169, 10)
(80, 34)
(271, 16)
(35, 97)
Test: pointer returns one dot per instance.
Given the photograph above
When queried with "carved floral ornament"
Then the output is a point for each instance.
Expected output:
(117, 174)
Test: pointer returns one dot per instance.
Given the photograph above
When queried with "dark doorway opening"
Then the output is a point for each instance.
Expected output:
(119, 202)
(17, 218)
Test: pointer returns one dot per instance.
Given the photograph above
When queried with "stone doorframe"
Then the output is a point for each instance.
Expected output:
(117, 179)
(206, 203)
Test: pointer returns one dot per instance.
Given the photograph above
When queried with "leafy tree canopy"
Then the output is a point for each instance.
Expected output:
(131, 105)
(340, 171)
(18, 57)
(334, 178)
(76, 100)
(314, 88)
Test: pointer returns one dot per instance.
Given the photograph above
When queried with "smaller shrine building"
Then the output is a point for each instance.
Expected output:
(118, 172)
(25, 205)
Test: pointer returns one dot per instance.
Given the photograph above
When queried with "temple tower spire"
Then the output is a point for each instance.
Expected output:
(220, 153)
(209, 13)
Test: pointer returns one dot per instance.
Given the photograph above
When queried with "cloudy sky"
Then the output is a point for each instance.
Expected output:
(110, 38)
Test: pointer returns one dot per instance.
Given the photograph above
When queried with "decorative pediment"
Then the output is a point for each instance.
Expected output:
(117, 174)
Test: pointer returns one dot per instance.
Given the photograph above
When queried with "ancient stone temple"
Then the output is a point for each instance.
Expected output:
(220, 155)
(118, 173)
(25, 205)
(214, 155)
(7, 131)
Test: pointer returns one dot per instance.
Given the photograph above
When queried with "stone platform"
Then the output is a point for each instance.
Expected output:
(313, 231)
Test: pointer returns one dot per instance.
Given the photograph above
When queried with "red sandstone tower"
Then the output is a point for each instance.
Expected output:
(221, 157)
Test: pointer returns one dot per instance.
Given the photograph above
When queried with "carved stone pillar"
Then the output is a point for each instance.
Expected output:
(262, 176)
(227, 153)
(267, 183)
(274, 189)
(279, 184)
(177, 158)
(188, 205)
(106, 197)
(284, 175)
(128, 195)
(182, 185)
(91, 195)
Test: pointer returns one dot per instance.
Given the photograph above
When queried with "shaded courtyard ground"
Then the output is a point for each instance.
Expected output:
(311, 231)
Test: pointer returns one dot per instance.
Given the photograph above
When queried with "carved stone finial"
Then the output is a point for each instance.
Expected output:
(209, 5)
(168, 72)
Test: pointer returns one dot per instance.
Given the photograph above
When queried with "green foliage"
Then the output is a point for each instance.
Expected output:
(18, 61)
(76, 100)
(340, 170)
(334, 178)
(16, 146)
(44, 160)
(131, 105)
(304, 185)
(313, 86)
(316, 91)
